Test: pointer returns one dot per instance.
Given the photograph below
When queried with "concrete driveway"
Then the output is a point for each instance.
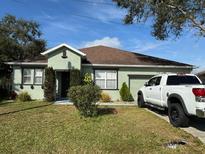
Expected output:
(196, 128)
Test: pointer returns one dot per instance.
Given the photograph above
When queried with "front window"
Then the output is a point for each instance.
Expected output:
(154, 81)
(38, 79)
(106, 79)
(27, 76)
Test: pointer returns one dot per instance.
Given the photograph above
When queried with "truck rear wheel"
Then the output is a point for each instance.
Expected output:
(140, 101)
(177, 116)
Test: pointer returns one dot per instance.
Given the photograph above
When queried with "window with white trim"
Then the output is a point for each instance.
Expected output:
(27, 78)
(38, 78)
(106, 79)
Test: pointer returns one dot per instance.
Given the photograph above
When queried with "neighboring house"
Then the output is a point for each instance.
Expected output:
(110, 67)
(201, 75)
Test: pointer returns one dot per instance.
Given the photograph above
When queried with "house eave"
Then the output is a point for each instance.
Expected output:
(25, 63)
(138, 66)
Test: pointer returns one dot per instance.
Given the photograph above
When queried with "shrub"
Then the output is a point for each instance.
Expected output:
(85, 98)
(87, 79)
(105, 97)
(49, 84)
(75, 78)
(23, 97)
(125, 93)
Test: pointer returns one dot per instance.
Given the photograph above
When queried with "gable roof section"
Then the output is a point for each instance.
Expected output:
(63, 45)
(102, 55)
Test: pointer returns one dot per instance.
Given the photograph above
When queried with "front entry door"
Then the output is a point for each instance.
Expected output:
(65, 81)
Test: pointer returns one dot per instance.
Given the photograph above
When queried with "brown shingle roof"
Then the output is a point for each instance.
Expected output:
(108, 55)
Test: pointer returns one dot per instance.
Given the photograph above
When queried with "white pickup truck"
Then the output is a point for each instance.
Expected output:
(182, 94)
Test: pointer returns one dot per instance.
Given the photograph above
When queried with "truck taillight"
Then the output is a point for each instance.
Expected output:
(199, 92)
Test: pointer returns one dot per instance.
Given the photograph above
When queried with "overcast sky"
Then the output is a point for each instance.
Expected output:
(84, 23)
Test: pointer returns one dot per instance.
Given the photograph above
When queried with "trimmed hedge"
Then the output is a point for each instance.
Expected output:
(85, 98)
(125, 93)
(49, 84)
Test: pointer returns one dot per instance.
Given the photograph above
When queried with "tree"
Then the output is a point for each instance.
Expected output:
(19, 39)
(168, 16)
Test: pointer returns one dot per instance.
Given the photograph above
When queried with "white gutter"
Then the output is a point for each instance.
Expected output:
(107, 65)
(144, 66)
(24, 63)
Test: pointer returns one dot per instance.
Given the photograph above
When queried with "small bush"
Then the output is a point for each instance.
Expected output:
(49, 84)
(75, 78)
(23, 97)
(105, 97)
(125, 93)
(87, 79)
(85, 98)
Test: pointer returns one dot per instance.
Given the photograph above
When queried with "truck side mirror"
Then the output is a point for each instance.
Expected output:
(146, 84)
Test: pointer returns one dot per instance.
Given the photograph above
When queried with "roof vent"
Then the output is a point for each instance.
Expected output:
(64, 54)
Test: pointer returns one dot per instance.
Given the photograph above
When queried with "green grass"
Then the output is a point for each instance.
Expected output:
(38, 127)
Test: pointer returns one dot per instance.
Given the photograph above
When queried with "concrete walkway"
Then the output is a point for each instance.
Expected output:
(196, 128)
(67, 102)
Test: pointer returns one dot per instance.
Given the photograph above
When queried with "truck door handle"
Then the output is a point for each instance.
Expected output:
(150, 88)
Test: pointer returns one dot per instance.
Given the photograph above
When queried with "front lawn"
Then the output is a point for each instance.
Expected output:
(39, 127)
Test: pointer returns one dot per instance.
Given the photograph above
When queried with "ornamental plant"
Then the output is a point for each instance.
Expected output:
(105, 97)
(87, 79)
(125, 93)
(85, 98)
(23, 97)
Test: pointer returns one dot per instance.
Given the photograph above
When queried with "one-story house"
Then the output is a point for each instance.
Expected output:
(109, 67)
(201, 75)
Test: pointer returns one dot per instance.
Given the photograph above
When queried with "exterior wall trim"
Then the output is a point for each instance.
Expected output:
(139, 66)
(63, 45)
(25, 63)
(106, 65)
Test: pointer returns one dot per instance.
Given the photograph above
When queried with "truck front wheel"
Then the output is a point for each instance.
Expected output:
(140, 101)
(177, 117)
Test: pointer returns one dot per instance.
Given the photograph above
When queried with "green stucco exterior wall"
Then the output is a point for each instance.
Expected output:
(36, 92)
(134, 77)
(72, 61)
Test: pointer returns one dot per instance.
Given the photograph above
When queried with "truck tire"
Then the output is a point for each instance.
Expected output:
(177, 116)
(140, 101)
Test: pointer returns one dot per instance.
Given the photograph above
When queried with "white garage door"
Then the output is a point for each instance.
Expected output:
(136, 82)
